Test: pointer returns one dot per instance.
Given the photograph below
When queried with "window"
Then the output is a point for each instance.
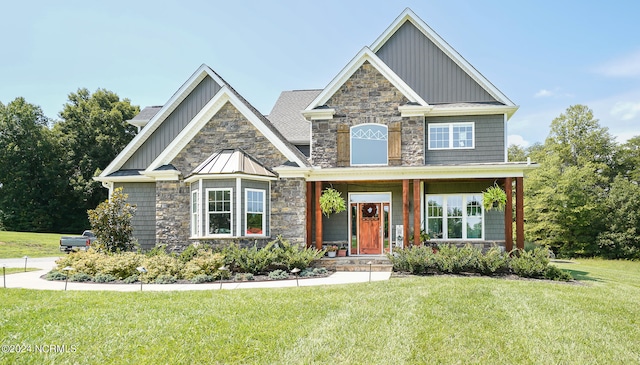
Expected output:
(457, 216)
(369, 144)
(451, 136)
(255, 212)
(194, 213)
(219, 217)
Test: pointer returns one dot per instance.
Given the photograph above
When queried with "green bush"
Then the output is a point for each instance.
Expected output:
(160, 265)
(111, 223)
(80, 277)
(131, 279)
(244, 277)
(278, 275)
(55, 275)
(530, 264)
(415, 259)
(120, 265)
(555, 273)
(104, 278)
(202, 278)
(494, 261)
(165, 279)
(202, 263)
(87, 262)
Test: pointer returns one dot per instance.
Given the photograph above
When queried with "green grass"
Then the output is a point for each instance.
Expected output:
(20, 244)
(436, 320)
(16, 270)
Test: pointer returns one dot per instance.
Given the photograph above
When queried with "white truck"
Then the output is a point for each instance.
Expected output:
(77, 243)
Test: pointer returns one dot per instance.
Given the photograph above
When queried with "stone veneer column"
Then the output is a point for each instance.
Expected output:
(288, 210)
(172, 214)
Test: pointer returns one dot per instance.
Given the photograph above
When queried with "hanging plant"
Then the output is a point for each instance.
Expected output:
(331, 201)
(494, 197)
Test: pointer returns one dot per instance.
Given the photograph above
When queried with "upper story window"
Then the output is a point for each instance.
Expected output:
(369, 144)
(451, 136)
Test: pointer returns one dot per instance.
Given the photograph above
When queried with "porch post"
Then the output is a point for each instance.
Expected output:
(416, 212)
(318, 216)
(519, 213)
(405, 212)
(309, 213)
(508, 215)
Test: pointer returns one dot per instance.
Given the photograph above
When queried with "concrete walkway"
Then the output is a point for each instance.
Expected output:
(32, 280)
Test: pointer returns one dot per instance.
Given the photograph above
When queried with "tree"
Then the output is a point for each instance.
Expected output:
(93, 131)
(565, 196)
(628, 159)
(516, 153)
(621, 239)
(111, 223)
(29, 169)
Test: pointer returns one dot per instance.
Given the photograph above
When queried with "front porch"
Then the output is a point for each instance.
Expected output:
(405, 207)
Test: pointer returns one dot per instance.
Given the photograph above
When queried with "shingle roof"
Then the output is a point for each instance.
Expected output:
(232, 162)
(286, 116)
(147, 113)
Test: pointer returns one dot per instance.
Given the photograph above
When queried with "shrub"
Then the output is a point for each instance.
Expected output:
(531, 264)
(553, 272)
(278, 275)
(80, 277)
(250, 260)
(202, 278)
(104, 278)
(111, 223)
(306, 273)
(120, 265)
(415, 259)
(203, 263)
(55, 275)
(160, 265)
(244, 277)
(131, 279)
(87, 262)
(165, 279)
(320, 271)
(494, 261)
(292, 256)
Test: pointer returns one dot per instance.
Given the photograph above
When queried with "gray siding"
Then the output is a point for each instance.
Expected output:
(173, 125)
(494, 225)
(143, 195)
(489, 141)
(428, 70)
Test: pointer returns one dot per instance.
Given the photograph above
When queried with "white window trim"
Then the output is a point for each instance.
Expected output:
(351, 145)
(450, 127)
(207, 234)
(445, 227)
(246, 212)
(194, 200)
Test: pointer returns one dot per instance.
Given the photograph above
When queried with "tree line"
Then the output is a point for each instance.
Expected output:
(47, 165)
(584, 199)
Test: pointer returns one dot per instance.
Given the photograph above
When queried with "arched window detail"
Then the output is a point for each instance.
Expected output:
(369, 144)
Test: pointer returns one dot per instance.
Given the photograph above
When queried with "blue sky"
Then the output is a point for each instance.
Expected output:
(544, 55)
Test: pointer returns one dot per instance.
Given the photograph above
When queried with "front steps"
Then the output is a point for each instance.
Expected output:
(355, 263)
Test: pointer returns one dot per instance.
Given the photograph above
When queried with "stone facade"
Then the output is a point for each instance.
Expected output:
(367, 97)
(226, 130)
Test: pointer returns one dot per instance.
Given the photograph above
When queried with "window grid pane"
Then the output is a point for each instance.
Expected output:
(439, 136)
(219, 206)
(454, 216)
(255, 212)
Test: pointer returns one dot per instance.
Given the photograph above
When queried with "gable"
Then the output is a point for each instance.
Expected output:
(429, 71)
(173, 124)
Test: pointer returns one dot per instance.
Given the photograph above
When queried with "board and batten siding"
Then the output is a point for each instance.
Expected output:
(143, 196)
(173, 124)
(488, 141)
(428, 70)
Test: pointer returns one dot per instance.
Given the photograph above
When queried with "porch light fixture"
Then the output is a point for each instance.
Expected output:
(25, 263)
(222, 269)
(141, 270)
(295, 272)
(370, 263)
(66, 278)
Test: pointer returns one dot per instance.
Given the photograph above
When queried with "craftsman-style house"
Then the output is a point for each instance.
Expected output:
(408, 131)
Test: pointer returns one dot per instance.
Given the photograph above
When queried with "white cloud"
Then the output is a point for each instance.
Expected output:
(625, 110)
(625, 66)
(518, 140)
(544, 93)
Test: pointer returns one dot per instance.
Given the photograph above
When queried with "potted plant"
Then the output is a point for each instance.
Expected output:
(494, 197)
(331, 250)
(331, 201)
(342, 251)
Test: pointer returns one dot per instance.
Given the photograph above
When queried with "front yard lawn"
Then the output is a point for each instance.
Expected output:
(19, 244)
(430, 319)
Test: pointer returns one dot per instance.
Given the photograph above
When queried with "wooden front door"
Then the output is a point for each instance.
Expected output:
(369, 233)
